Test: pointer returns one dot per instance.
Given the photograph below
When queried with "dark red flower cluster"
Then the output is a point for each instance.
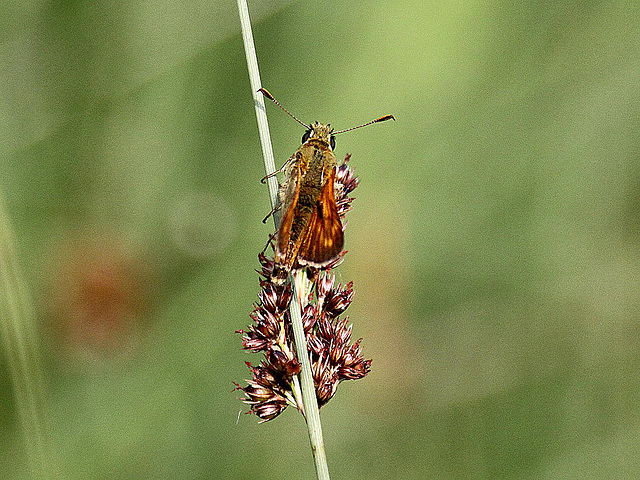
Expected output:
(333, 357)
(346, 182)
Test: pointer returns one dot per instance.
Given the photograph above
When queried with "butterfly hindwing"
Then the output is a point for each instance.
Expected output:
(324, 237)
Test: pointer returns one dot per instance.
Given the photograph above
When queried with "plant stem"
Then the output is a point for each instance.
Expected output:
(311, 411)
(300, 285)
(258, 101)
(20, 341)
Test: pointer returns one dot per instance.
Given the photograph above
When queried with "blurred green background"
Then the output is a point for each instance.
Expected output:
(494, 240)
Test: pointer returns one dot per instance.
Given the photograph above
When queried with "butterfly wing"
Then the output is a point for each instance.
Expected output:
(285, 246)
(324, 238)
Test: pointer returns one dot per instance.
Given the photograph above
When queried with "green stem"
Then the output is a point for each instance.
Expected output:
(310, 402)
(20, 342)
(311, 410)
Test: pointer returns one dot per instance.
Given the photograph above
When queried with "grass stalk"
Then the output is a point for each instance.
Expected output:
(300, 284)
(20, 342)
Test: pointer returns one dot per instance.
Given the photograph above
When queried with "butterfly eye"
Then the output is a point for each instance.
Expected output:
(306, 135)
(332, 142)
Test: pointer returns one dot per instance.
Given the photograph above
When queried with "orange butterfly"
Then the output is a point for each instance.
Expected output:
(310, 232)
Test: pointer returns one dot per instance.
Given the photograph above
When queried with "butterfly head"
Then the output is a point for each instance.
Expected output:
(321, 132)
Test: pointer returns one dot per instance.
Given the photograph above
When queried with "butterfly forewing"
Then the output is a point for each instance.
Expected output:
(324, 237)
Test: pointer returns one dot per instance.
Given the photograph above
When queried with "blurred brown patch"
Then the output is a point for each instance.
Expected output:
(100, 289)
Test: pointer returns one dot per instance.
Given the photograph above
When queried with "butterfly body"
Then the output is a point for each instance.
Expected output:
(310, 231)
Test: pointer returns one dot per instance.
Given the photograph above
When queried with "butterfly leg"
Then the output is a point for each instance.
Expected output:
(269, 242)
(264, 220)
(272, 174)
(280, 170)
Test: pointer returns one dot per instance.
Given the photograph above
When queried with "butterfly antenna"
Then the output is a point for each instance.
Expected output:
(272, 98)
(384, 118)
